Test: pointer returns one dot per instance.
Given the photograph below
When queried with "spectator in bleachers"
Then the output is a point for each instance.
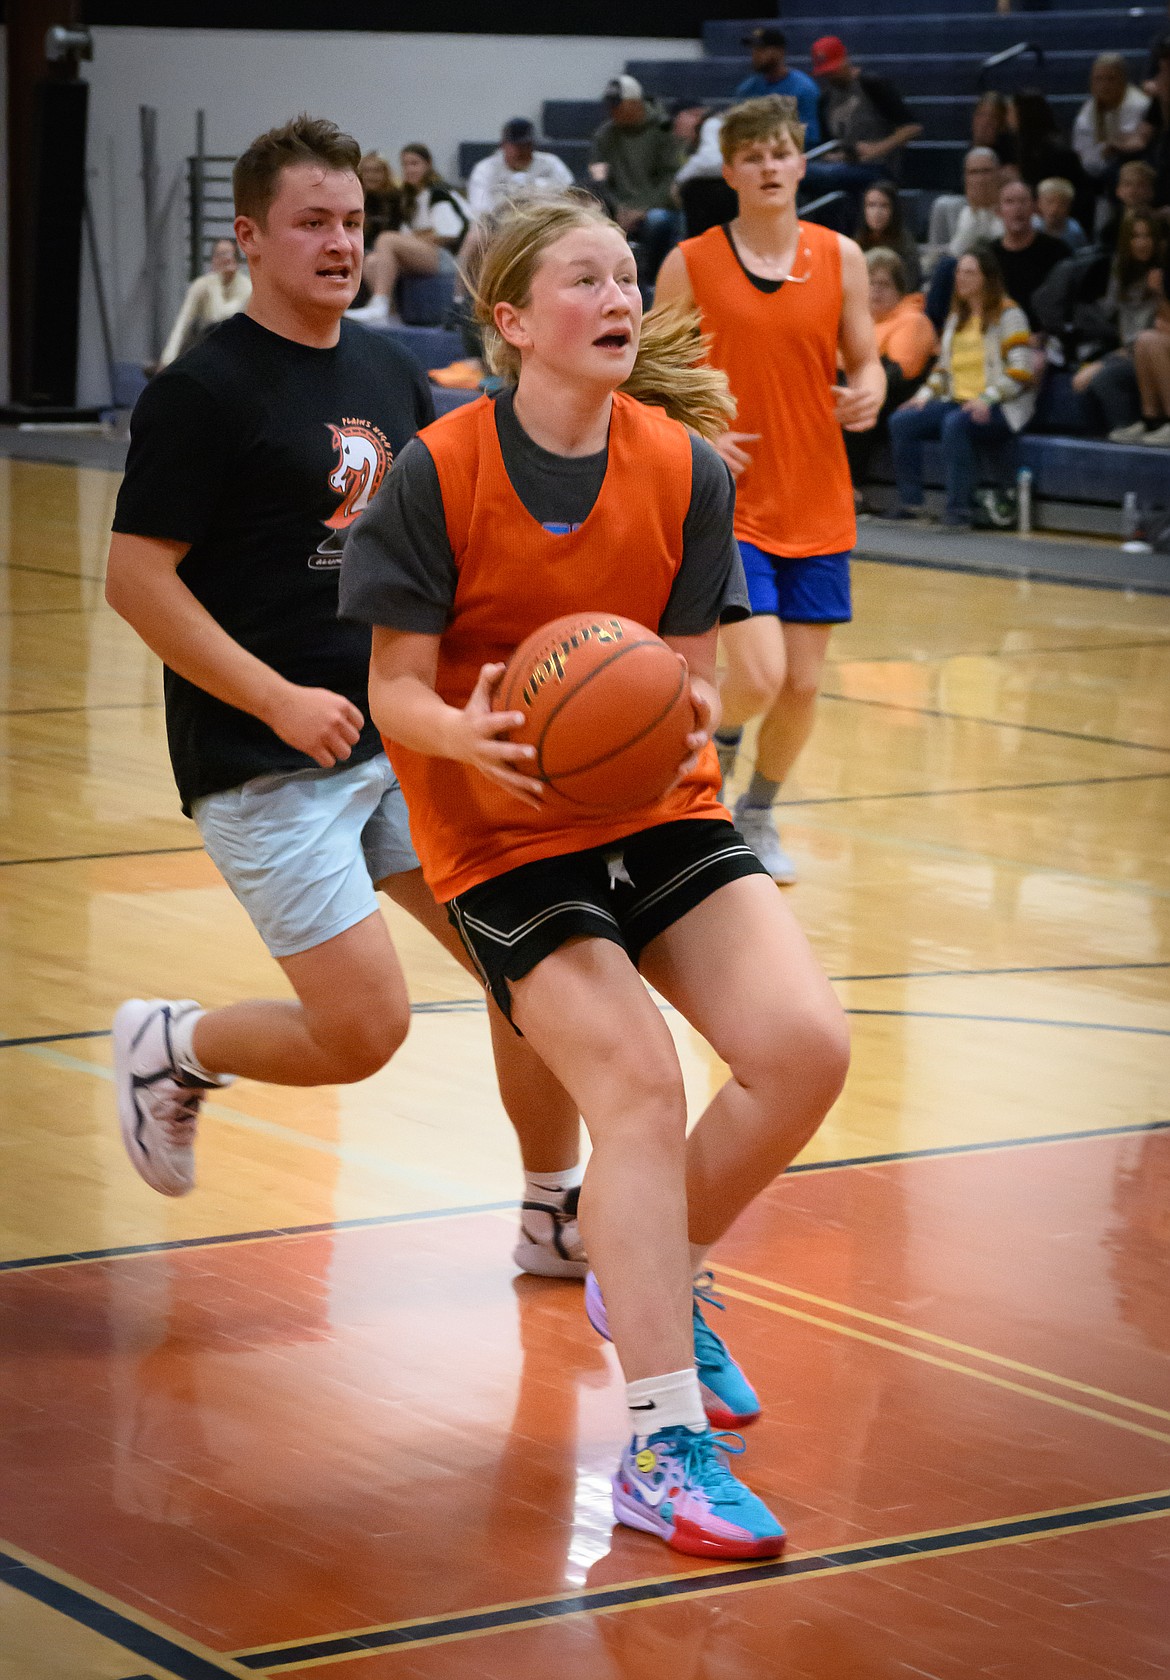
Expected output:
(989, 126)
(771, 74)
(1135, 378)
(1024, 256)
(1041, 149)
(430, 205)
(959, 221)
(907, 344)
(435, 221)
(881, 227)
(1136, 184)
(706, 199)
(515, 169)
(1106, 128)
(636, 160)
(383, 204)
(982, 390)
(1054, 202)
(222, 292)
(865, 115)
(1156, 125)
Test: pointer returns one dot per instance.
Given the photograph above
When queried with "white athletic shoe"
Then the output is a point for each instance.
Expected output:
(376, 313)
(158, 1104)
(1159, 438)
(1136, 433)
(550, 1244)
(758, 827)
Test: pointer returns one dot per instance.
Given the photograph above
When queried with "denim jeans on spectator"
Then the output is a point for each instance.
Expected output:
(959, 434)
(657, 234)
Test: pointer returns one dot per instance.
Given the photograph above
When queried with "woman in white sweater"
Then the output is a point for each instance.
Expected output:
(210, 299)
(982, 390)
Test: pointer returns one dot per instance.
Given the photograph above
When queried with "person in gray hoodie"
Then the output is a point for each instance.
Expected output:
(636, 159)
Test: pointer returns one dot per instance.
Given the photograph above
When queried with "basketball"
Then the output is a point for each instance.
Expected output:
(607, 706)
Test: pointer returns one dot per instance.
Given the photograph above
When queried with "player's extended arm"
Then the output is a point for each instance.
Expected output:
(405, 707)
(858, 402)
(144, 588)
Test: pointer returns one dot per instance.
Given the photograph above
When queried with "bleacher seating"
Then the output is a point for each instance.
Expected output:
(936, 56)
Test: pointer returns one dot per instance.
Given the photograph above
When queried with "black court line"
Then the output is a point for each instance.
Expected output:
(540, 1612)
(111, 1624)
(326, 1228)
(990, 787)
(467, 1006)
(441, 1006)
(1015, 1021)
(973, 973)
(41, 612)
(108, 706)
(98, 857)
(371, 1221)
(997, 723)
(49, 571)
(995, 653)
(942, 1149)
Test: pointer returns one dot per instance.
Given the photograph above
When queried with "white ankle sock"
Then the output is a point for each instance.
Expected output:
(538, 1187)
(699, 1258)
(669, 1402)
(183, 1050)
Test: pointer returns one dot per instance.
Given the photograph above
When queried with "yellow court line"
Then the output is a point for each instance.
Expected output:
(950, 1365)
(108, 1602)
(750, 1583)
(945, 1341)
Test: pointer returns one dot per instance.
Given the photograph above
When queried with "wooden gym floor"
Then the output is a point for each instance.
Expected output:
(310, 1419)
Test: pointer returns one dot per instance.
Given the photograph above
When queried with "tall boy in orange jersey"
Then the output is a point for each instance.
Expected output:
(785, 305)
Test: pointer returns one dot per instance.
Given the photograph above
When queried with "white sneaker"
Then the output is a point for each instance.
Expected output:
(550, 1243)
(1159, 438)
(1130, 434)
(158, 1103)
(375, 313)
(758, 827)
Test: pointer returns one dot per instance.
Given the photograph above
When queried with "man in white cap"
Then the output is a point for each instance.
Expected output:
(637, 158)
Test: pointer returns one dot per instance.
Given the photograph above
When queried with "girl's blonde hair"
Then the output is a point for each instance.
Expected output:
(669, 371)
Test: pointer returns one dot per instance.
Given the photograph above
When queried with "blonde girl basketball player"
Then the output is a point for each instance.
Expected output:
(784, 303)
(567, 494)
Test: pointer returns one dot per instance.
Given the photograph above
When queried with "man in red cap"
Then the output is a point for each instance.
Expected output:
(865, 115)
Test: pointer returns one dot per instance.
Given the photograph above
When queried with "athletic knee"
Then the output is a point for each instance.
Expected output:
(359, 1047)
(757, 687)
(808, 1049)
(801, 686)
(651, 1111)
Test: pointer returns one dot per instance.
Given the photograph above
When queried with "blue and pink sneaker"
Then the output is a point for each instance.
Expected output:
(676, 1484)
(729, 1400)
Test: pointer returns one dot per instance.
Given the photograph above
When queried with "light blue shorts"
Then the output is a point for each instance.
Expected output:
(302, 850)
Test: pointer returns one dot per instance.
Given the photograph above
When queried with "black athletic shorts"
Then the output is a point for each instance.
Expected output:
(629, 892)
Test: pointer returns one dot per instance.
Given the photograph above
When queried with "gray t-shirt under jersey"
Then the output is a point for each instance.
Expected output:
(398, 569)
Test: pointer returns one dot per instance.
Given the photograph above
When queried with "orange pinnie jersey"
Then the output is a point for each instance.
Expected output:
(513, 577)
(779, 352)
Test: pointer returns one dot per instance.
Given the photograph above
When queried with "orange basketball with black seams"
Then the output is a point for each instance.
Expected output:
(607, 706)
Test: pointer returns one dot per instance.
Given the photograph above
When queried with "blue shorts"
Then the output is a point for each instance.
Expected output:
(302, 850)
(812, 590)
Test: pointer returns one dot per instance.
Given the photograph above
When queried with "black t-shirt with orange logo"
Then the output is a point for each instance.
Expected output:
(261, 453)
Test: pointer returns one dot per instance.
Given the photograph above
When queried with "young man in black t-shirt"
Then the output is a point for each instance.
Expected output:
(249, 460)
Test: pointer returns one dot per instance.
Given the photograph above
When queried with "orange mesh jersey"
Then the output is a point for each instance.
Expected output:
(779, 351)
(513, 577)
